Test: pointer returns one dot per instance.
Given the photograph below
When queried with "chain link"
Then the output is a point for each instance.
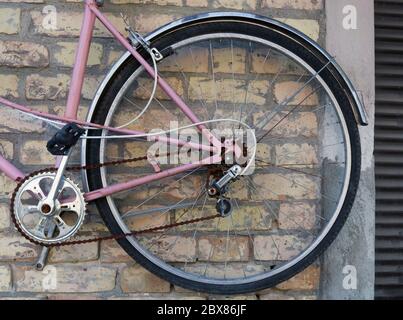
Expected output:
(101, 238)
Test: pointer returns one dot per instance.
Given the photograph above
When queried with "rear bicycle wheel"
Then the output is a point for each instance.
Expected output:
(306, 172)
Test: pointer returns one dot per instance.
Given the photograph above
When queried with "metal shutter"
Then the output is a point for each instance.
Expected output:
(389, 149)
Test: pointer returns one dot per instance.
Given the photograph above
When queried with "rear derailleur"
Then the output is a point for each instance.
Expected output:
(218, 189)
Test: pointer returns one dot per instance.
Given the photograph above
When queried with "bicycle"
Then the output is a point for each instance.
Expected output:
(210, 224)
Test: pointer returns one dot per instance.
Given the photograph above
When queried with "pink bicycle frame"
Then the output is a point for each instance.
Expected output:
(92, 13)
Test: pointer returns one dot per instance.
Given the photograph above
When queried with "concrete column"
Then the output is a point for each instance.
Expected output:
(354, 51)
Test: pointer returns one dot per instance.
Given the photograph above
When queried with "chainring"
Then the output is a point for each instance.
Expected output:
(96, 239)
(48, 227)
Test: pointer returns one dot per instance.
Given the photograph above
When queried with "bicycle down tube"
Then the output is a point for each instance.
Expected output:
(92, 13)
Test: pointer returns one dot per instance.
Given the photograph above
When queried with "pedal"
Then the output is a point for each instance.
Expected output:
(64, 139)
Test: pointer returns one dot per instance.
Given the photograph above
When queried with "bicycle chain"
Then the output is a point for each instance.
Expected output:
(102, 238)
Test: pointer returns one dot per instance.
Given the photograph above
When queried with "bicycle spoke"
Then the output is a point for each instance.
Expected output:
(291, 98)
(282, 207)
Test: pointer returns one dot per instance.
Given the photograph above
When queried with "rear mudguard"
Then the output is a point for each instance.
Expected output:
(357, 105)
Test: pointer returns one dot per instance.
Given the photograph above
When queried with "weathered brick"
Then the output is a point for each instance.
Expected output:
(61, 109)
(76, 253)
(6, 149)
(228, 90)
(73, 297)
(229, 61)
(137, 279)
(234, 297)
(34, 152)
(197, 3)
(145, 23)
(23, 54)
(243, 219)
(151, 120)
(9, 86)
(40, 88)
(298, 124)
(277, 247)
(113, 57)
(16, 121)
(193, 60)
(16, 248)
(294, 154)
(158, 2)
(112, 252)
(283, 91)
(4, 216)
(10, 20)
(235, 4)
(276, 296)
(306, 280)
(24, 1)
(5, 278)
(285, 186)
(90, 87)
(69, 278)
(225, 270)
(292, 4)
(297, 215)
(69, 24)
(6, 185)
(266, 61)
(263, 152)
(310, 27)
(135, 149)
(65, 54)
(222, 248)
(146, 85)
(172, 248)
(156, 296)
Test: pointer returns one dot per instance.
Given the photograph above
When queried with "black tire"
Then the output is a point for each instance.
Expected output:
(310, 55)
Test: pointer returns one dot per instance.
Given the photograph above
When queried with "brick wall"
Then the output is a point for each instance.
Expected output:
(35, 66)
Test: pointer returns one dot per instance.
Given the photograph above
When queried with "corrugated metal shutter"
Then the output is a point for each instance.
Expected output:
(389, 149)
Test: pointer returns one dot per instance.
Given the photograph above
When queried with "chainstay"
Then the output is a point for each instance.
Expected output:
(101, 238)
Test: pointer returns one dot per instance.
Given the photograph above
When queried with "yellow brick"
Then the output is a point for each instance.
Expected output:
(298, 124)
(221, 249)
(292, 4)
(34, 153)
(5, 278)
(23, 54)
(69, 24)
(283, 91)
(277, 247)
(4, 216)
(158, 2)
(9, 86)
(137, 279)
(310, 27)
(172, 248)
(197, 3)
(69, 278)
(306, 280)
(6, 149)
(195, 60)
(235, 4)
(9, 20)
(66, 53)
(39, 87)
(297, 215)
(229, 61)
(285, 186)
(293, 154)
